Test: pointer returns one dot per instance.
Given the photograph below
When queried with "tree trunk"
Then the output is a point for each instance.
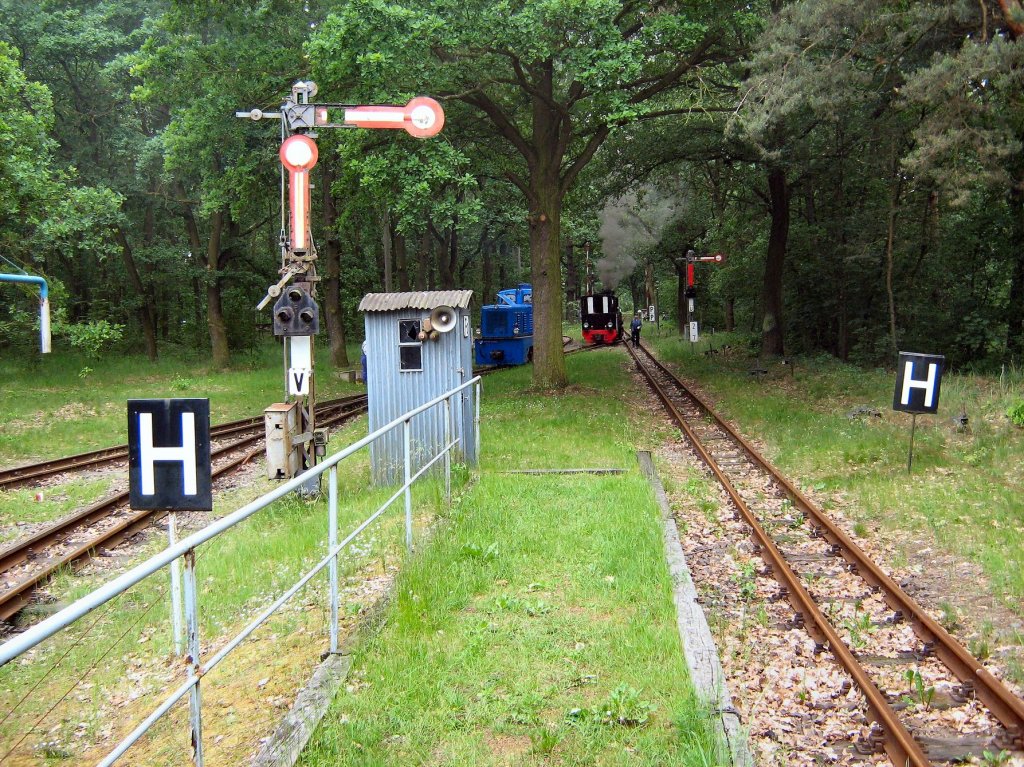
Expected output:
(487, 273)
(894, 206)
(572, 280)
(210, 256)
(681, 301)
(447, 257)
(730, 315)
(503, 268)
(771, 293)
(385, 240)
(1015, 311)
(545, 266)
(423, 260)
(214, 306)
(650, 289)
(146, 318)
(402, 264)
(843, 330)
(332, 269)
(197, 311)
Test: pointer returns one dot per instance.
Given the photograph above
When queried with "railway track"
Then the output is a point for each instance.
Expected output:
(27, 474)
(833, 587)
(29, 562)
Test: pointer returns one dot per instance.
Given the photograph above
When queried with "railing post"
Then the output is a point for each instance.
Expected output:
(172, 537)
(332, 541)
(192, 627)
(407, 432)
(448, 450)
(476, 420)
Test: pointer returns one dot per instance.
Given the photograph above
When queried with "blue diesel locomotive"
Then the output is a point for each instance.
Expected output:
(506, 329)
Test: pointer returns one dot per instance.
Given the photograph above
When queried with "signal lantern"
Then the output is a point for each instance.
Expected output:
(296, 313)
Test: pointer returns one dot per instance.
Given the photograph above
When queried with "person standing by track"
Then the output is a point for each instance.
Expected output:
(634, 329)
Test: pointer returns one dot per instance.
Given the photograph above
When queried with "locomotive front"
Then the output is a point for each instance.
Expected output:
(506, 329)
(602, 320)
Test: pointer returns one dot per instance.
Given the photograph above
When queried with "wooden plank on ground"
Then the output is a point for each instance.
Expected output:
(292, 734)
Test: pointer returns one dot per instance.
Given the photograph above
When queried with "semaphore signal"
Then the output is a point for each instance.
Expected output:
(295, 310)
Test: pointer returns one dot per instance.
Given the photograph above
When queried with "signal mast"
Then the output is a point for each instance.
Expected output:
(293, 441)
(691, 289)
(589, 269)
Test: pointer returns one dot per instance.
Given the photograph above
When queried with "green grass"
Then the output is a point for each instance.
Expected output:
(47, 410)
(546, 596)
(538, 627)
(238, 573)
(65, 403)
(54, 406)
(29, 505)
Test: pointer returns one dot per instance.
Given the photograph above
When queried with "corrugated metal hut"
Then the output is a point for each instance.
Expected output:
(404, 371)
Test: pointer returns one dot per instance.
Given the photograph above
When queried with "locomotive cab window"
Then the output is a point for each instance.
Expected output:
(410, 349)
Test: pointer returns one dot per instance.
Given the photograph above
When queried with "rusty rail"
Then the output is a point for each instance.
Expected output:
(899, 744)
(23, 475)
(17, 597)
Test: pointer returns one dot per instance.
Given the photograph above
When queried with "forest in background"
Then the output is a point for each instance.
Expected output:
(859, 162)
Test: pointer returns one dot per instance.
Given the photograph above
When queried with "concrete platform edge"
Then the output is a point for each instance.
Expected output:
(698, 643)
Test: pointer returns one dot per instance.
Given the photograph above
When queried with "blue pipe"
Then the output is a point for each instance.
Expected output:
(44, 305)
(43, 290)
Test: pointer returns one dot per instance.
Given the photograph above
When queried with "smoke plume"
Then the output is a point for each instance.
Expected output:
(629, 224)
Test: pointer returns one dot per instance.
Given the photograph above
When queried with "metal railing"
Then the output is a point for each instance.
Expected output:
(186, 550)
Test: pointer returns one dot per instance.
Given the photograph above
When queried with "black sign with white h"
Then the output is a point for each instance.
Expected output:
(169, 454)
(918, 378)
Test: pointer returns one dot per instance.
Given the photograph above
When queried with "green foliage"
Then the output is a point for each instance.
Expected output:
(28, 181)
(91, 337)
(994, 759)
(1016, 414)
(971, 133)
(746, 581)
(544, 740)
(874, 111)
(538, 88)
(623, 707)
(476, 551)
(919, 694)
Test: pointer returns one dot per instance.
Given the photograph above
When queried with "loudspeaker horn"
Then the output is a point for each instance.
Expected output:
(443, 319)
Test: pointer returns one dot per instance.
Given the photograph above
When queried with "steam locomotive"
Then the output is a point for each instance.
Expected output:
(506, 329)
(601, 318)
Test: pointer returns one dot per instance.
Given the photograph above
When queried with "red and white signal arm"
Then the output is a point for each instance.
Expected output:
(714, 257)
(299, 154)
(422, 117)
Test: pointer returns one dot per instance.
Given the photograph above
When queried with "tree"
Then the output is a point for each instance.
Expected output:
(28, 181)
(550, 80)
(825, 71)
(971, 139)
(77, 52)
(201, 63)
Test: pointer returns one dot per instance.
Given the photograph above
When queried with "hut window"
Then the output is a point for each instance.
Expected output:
(410, 349)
